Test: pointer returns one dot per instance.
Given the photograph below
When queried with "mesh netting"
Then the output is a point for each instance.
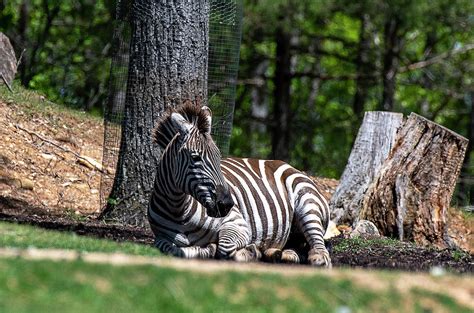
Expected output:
(114, 108)
(225, 20)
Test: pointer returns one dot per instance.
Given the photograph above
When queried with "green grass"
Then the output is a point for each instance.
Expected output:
(358, 243)
(77, 286)
(24, 236)
(47, 286)
(33, 103)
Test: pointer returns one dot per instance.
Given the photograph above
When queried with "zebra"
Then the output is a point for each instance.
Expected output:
(203, 206)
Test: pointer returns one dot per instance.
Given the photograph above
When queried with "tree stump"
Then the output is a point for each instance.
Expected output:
(411, 193)
(7, 61)
(373, 143)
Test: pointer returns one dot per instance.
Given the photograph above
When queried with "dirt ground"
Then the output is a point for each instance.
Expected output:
(42, 158)
(50, 177)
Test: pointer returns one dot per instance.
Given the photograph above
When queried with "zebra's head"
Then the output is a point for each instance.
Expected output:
(193, 158)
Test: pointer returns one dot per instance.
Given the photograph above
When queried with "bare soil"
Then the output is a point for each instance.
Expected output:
(43, 183)
(34, 169)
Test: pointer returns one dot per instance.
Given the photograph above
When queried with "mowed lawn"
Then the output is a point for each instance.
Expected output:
(80, 286)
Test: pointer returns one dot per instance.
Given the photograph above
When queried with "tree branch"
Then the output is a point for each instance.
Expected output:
(86, 161)
(436, 59)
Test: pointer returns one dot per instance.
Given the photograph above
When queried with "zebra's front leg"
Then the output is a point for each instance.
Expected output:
(234, 238)
(193, 252)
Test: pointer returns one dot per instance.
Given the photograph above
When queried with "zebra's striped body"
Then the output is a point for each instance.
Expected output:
(270, 199)
(270, 194)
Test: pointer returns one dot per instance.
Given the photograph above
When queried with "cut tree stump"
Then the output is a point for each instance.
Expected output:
(373, 144)
(411, 192)
(8, 61)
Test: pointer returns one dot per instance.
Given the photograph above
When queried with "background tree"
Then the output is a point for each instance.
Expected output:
(347, 58)
(301, 99)
(168, 64)
(64, 47)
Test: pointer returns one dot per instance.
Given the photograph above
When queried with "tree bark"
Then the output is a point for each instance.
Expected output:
(373, 144)
(362, 67)
(393, 44)
(23, 23)
(7, 61)
(282, 85)
(411, 193)
(168, 63)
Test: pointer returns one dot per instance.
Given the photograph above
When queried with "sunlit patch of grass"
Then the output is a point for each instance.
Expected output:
(76, 286)
(31, 102)
(24, 236)
(46, 286)
(427, 301)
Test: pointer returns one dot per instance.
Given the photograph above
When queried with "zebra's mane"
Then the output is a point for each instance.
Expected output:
(164, 130)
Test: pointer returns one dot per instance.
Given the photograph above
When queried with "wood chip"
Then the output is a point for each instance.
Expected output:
(90, 163)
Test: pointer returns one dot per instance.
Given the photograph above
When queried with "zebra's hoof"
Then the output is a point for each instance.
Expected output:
(272, 255)
(248, 254)
(290, 256)
(319, 258)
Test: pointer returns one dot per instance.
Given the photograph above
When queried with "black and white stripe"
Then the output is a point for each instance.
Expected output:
(203, 207)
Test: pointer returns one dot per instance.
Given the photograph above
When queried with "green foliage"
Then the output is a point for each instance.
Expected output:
(459, 254)
(68, 47)
(326, 42)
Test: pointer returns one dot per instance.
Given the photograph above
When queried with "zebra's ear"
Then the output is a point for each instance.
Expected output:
(208, 113)
(180, 123)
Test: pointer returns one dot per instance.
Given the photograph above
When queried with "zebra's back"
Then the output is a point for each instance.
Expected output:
(267, 193)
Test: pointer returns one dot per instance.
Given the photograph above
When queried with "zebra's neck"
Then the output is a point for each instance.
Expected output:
(167, 196)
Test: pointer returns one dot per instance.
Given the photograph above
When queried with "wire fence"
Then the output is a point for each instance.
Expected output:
(115, 105)
(225, 23)
(464, 193)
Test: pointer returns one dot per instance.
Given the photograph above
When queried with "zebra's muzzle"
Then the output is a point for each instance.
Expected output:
(224, 201)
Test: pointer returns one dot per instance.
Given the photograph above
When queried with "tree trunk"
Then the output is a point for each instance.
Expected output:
(362, 67)
(23, 23)
(281, 108)
(411, 193)
(372, 146)
(466, 190)
(168, 63)
(311, 115)
(393, 45)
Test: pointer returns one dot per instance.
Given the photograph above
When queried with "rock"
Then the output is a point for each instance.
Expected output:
(331, 231)
(365, 229)
(7, 60)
